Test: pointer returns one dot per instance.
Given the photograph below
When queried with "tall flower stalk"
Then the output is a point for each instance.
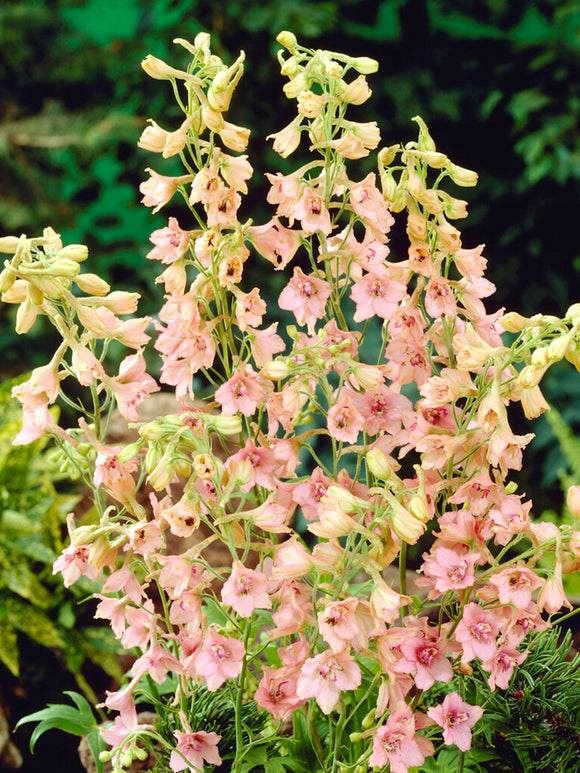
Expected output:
(381, 417)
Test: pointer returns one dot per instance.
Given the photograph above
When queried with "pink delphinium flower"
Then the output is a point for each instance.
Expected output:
(397, 744)
(243, 392)
(502, 666)
(338, 625)
(193, 749)
(131, 386)
(277, 691)
(424, 659)
(369, 204)
(477, 631)
(220, 659)
(171, 243)
(305, 296)
(246, 590)
(344, 421)
(326, 675)
(311, 210)
(376, 295)
(456, 718)
(515, 585)
(275, 242)
(158, 189)
(448, 569)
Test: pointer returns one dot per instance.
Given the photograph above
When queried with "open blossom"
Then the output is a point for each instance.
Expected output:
(311, 210)
(193, 749)
(158, 189)
(326, 675)
(171, 243)
(378, 295)
(243, 392)
(277, 691)
(456, 717)
(397, 744)
(306, 296)
(221, 659)
(246, 590)
(338, 625)
(477, 631)
(344, 421)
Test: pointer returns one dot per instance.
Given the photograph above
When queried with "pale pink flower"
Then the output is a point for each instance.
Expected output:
(275, 242)
(139, 626)
(158, 190)
(386, 603)
(131, 386)
(422, 657)
(449, 569)
(306, 296)
(193, 749)
(311, 210)
(397, 744)
(291, 560)
(515, 585)
(439, 298)
(502, 666)
(246, 590)
(74, 563)
(171, 243)
(477, 632)
(185, 610)
(156, 662)
(264, 344)
(376, 295)
(338, 625)
(277, 691)
(294, 610)
(308, 494)
(370, 205)
(235, 170)
(344, 422)
(243, 392)
(456, 718)
(326, 675)
(250, 308)
(221, 658)
(285, 192)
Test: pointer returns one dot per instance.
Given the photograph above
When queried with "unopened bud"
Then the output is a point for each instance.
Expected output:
(25, 316)
(540, 357)
(417, 506)
(156, 68)
(378, 464)
(8, 244)
(288, 40)
(573, 312)
(355, 737)
(426, 142)
(466, 178)
(364, 64)
(558, 347)
(226, 425)
(130, 451)
(512, 322)
(275, 370)
(92, 284)
(7, 279)
(65, 267)
(76, 252)
(573, 501)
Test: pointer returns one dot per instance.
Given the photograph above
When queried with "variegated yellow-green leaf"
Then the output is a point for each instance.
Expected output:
(9, 647)
(33, 623)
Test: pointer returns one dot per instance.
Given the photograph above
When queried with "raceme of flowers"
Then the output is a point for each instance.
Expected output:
(406, 448)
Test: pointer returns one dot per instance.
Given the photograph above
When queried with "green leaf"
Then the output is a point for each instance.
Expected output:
(458, 25)
(96, 745)
(77, 720)
(387, 26)
(9, 647)
(32, 622)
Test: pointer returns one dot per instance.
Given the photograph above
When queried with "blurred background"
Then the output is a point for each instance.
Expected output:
(497, 83)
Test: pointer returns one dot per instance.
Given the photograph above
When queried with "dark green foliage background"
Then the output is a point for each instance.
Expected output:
(498, 84)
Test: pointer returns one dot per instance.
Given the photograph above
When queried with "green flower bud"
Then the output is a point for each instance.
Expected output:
(288, 40)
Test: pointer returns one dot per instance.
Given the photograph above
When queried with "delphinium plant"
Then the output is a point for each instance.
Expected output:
(381, 418)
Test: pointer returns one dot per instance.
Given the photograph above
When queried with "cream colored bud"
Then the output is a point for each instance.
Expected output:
(294, 87)
(25, 316)
(379, 464)
(531, 376)
(417, 506)
(92, 284)
(426, 142)
(9, 244)
(364, 64)
(558, 347)
(7, 279)
(540, 357)
(76, 252)
(17, 293)
(573, 501)
(466, 178)
(288, 40)
(130, 451)
(157, 68)
(291, 68)
(212, 118)
(226, 425)
(573, 312)
(357, 91)
(275, 370)
(65, 267)
(512, 322)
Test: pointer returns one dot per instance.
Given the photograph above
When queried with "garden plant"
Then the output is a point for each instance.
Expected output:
(372, 433)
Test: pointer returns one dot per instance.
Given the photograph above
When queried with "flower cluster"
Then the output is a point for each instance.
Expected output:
(375, 432)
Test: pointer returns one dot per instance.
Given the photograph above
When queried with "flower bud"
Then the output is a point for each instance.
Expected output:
(25, 316)
(9, 244)
(364, 64)
(573, 501)
(91, 284)
(130, 451)
(379, 464)
(357, 91)
(573, 312)
(298, 84)
(275, 370)
(417, 506)
(512, 322)
(157, 68)
(7, 279)
(558, 347)
(288, 40)
(76, 252)
(426, 142)
(226, 425)
(65, 267)
(466, 178)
